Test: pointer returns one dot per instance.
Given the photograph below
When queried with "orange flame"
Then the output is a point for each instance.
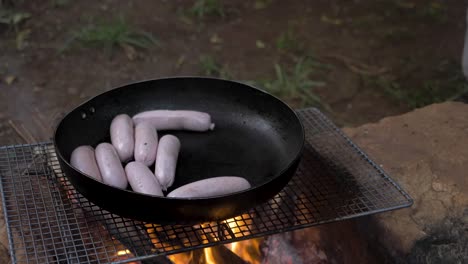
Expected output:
(123, 252)
(209, 256)
(124, 255)
(181, 258)
(248, 250)
(233, 247)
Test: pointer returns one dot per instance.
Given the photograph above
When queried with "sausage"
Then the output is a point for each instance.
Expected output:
(146, 143)
(122, 138)
(166, 160)
(211, 187)
(142, 180)
(83, 159)
(110, 167)
(176, 120)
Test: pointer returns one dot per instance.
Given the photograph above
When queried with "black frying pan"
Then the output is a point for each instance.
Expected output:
(256, 136)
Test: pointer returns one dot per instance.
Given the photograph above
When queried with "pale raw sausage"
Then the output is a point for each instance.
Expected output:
(142, 180)
(211, 187)
(166, 160)
(122, 136)
(110, 167)
(84, 159)
(146, 143)
(176, 120)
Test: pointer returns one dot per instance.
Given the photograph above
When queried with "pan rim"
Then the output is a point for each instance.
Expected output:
(297, 155)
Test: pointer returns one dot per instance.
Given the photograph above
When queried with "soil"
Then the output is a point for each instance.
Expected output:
(368, 45)
(359, 40)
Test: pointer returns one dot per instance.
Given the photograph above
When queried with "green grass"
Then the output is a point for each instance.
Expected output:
(210, 67)
(60, 3)
(435, 11)
(112, 35)
(204, 8)
(295, 84)
(261, 4)
(12, 18)
(288, 41)
(367, 21)
(447, 83)
(396, 33)
(393, 20)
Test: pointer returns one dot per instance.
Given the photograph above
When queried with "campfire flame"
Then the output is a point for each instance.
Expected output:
(248, 250)
(209, 256)
(123, 252)
(124, 255)
(182, 258)
(233, 247)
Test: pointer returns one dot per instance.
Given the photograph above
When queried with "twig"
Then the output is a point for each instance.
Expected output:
(18, 131)
(30, 136)
(56, 116)
(358, 67)
(40, 115)
(41, 126)
(40, 121)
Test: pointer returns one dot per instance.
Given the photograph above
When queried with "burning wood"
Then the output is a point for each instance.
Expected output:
(238, 252)
(220, 254)
(210, 255)
(248, 250)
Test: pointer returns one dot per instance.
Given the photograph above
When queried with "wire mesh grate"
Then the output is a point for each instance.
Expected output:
(48, 221)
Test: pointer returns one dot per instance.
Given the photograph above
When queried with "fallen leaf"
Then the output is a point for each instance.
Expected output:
(72, 90)
(186, 20)
(61, 3)
(19, 17)
(21, 37)
(259, 5)
(180, 61)
(9, 79)
(215, 39)
(129, 51)
(260, 44)
(334, 21)
(406, 5)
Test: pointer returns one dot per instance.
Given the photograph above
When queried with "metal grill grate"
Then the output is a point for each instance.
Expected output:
(48, 221)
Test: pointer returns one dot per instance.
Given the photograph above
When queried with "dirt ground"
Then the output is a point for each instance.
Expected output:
(372, 58)
(376, 58)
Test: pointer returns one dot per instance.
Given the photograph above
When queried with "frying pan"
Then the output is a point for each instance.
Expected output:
(257, 137)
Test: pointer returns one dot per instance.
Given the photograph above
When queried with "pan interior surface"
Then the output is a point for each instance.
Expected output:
(256, 136)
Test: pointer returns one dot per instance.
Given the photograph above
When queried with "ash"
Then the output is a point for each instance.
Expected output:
(447, 244)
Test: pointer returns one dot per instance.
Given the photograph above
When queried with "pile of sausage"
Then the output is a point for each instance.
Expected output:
(135, 143)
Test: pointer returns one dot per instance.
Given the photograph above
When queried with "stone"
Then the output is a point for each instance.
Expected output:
(447, 244)
(425, 151)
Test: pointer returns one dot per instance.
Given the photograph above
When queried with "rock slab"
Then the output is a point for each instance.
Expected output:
(426, 152)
